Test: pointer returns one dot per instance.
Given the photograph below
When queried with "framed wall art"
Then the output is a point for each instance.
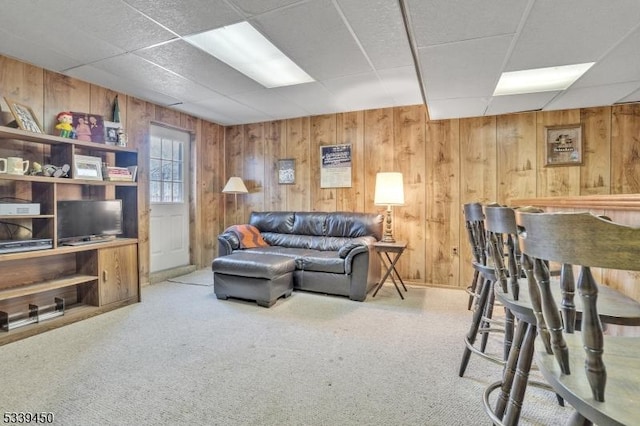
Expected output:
(24, 116)
(287, 171)
(563, 145)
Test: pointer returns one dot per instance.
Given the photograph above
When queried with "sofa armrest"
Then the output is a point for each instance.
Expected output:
(227, 243)
(353, 252)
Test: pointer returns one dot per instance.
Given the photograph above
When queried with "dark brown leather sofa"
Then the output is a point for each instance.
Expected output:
(333, 251)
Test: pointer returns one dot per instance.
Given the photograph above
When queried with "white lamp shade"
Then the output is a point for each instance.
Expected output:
(235, 185)
(389, 189)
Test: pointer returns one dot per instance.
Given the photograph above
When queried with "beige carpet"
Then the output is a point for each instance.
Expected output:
(183, 357)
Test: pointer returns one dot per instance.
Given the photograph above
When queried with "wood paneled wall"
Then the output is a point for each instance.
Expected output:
(48, 93)
(445, 163)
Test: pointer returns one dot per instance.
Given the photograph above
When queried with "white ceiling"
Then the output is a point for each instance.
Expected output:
(358, 51)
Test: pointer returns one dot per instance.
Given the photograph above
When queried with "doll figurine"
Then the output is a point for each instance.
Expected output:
(64, 125)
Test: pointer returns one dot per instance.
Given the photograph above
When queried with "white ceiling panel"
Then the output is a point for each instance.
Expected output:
(438, 22)
(354, 92)
(511, 103)
(402, 84)
(183, 59)
(593, 96)
(634, 97)
(323, 102)
(314, 35)
(272, 105)
(189, 17)
(446, 108)
(257, 7)
(380, 31)
(357, 50)
(463, 69)
(572, 32)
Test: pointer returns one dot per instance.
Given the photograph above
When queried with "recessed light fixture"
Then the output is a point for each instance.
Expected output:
(242, 47)
(540, 79)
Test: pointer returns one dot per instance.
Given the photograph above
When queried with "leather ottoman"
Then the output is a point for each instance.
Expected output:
(260, 277)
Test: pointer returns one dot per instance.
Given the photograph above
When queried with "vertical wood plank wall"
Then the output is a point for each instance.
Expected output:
(445, 163)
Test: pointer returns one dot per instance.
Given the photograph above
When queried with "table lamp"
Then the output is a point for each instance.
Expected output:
(389, 192)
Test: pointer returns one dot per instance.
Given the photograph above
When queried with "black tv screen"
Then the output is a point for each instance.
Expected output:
(83, 219)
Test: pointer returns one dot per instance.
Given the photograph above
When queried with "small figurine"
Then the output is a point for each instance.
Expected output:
(50, 170)
(36, 169)
(122, 137)
(64, 125)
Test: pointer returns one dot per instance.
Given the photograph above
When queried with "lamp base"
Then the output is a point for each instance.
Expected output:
(387, 237)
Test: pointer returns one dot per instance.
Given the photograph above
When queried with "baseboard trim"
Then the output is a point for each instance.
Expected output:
(159, 276)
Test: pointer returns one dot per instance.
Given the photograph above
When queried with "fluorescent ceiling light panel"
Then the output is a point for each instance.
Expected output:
(540, 79)
(242, 47)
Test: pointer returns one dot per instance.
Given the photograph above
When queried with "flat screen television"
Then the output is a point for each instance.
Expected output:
(86, 220)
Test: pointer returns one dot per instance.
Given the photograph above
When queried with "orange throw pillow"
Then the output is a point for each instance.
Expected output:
(248, 235)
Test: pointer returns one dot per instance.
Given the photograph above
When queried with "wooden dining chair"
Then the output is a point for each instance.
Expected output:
(598, 374)
(474, 223)
(481, 292)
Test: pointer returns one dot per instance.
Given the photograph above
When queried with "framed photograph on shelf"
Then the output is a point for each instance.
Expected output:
(24, 116)
(287, 171)
(86, 167)
(111, 132)
(563, 145)
(88, 127)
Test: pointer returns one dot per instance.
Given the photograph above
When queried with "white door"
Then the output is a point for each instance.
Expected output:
(169, 198)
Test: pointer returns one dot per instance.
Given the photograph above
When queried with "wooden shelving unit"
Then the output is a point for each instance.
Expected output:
(88, 279)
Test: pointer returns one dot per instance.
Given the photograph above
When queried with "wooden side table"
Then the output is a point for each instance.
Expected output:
(397, 249)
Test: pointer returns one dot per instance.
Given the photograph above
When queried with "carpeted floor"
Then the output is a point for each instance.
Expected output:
(184, 357)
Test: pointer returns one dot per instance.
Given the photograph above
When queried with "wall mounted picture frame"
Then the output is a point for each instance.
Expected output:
(86, 167)
(25, 117)
(563, 145)
(287, 171)
(88, 127)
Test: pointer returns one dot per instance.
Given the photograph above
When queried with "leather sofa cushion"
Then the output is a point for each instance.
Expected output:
(342, 224)
(309, 223)
(280, 222)
(305, 259)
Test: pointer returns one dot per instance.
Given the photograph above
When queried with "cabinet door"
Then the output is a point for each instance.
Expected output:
(118, 271)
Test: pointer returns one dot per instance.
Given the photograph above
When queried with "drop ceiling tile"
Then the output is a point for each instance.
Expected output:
(117, 83)
(34, 53)
(436, 21)
(457, 108)
(112, 21)
(464, 69)
(153, 77)
(194, 64)
(314, 36)
(593, 96)
(519, 103)
(571, 32)
(379, 28)
(238, 112)
(634, 97)
(402, 83)
(257, 7)
(620, 65)
(313, 97)
(185, 19)
(359, 92)
(270, 104)
(45, 31)
(206, 113)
